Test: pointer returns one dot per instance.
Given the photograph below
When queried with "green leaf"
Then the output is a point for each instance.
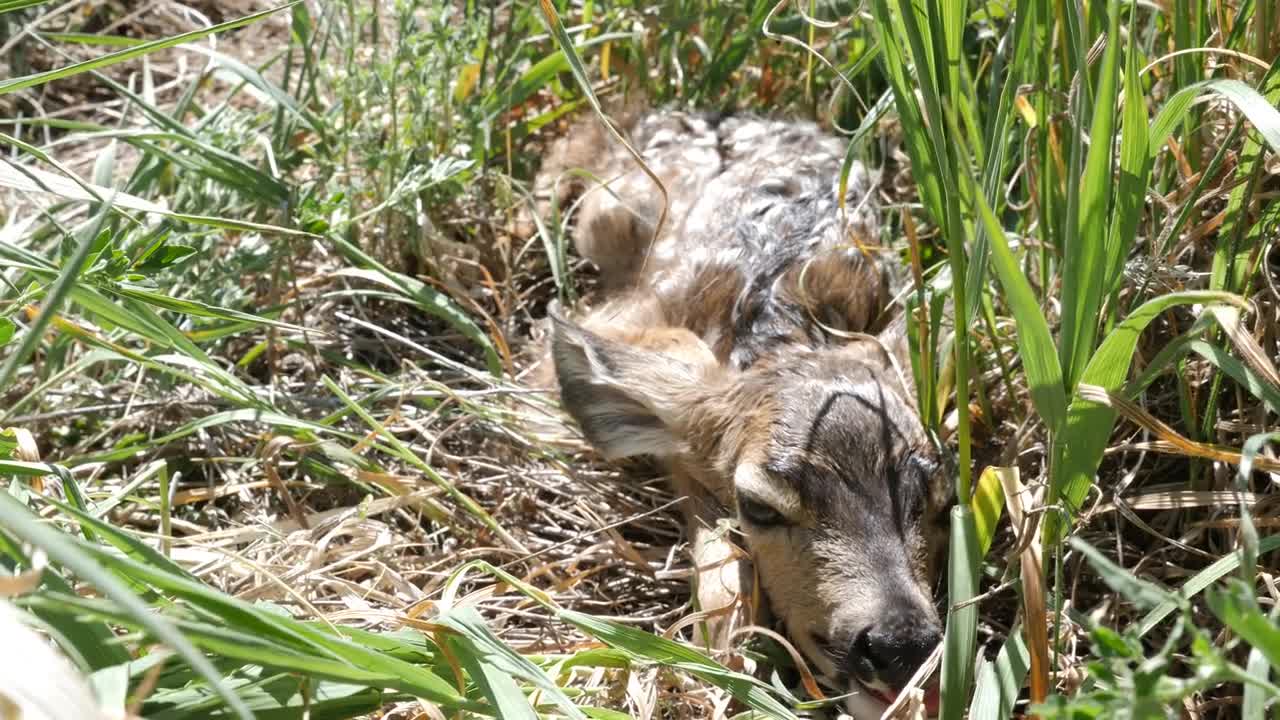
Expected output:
(11, 5)
(91, 645)
(66, 551)
(499, 663)
(1238, 609)
(163, 257)
(7, 329)
(1243, 374)
(1085, 263)
(289, 637)
(1137, 591)
(63, 286)
(987, 506)
(80, 38)
(960, 642)
(1088, 425)
(426, 298)
(1035, 342)
(643, 646)
(35, 180)
(1256, 697)
(1000, 683)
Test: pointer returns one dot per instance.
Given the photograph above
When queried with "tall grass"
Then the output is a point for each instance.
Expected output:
(1063, 159)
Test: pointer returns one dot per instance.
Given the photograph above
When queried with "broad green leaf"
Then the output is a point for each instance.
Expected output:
(987, 506)
(7, 329)
(500, 688)
(498, 660)
(1088, 425)
(1000, 683)
(960, 642)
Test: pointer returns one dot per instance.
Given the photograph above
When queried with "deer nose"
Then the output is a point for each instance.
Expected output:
(892, 650)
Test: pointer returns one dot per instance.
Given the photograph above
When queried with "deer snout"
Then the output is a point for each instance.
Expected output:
(890, 651)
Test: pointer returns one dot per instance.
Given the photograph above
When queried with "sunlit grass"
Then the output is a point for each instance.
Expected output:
(245, 319)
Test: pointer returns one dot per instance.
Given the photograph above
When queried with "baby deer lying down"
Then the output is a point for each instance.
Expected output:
(752, 349)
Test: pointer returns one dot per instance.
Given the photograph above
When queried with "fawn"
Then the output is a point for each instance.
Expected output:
(752, 347)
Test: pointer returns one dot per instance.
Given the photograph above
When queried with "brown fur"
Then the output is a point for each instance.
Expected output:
(751, 344)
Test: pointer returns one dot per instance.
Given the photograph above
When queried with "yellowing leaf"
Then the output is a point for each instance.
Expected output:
(1027, 112)
(466, 81)
(988, 505)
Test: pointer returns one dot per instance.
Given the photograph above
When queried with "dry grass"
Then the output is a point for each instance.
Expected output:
(363, 527)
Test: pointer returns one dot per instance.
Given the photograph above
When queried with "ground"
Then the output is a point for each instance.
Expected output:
(357, 175)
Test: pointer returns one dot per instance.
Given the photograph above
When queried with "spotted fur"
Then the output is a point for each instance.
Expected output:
(752, 343)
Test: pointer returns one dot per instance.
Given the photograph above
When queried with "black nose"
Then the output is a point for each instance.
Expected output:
(892, 650)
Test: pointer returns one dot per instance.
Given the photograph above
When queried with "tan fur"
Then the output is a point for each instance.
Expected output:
(750, 345)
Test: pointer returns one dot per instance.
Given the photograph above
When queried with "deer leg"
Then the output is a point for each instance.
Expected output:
(723, 575)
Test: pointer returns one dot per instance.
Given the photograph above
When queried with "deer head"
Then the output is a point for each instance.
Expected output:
(840, 496)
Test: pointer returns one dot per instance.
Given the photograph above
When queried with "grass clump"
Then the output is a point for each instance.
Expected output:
(263, 308)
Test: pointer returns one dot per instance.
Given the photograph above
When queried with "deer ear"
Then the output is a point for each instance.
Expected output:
(897, 349)
(629, 400)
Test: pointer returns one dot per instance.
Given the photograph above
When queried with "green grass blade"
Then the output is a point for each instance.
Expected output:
(93, 646)
(1197, 583)
(1084, 282)
(1256, 697)
(65, 551)
(492, 655)
(1035, 342)
(1134, 589)
(1249, 379)
(960, 642)
(425, 297)
(1089, 424)
(987, 507)
(12, 5)
(1001, 682)
(1237, 608)
(1135, 166)
(53, 299)
(26, 81)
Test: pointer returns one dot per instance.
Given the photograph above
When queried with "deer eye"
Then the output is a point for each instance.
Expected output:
(757, 513)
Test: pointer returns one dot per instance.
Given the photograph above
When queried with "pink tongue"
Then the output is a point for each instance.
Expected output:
(932, 700)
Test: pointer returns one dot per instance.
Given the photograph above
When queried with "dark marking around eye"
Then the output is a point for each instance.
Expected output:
(758, 514)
